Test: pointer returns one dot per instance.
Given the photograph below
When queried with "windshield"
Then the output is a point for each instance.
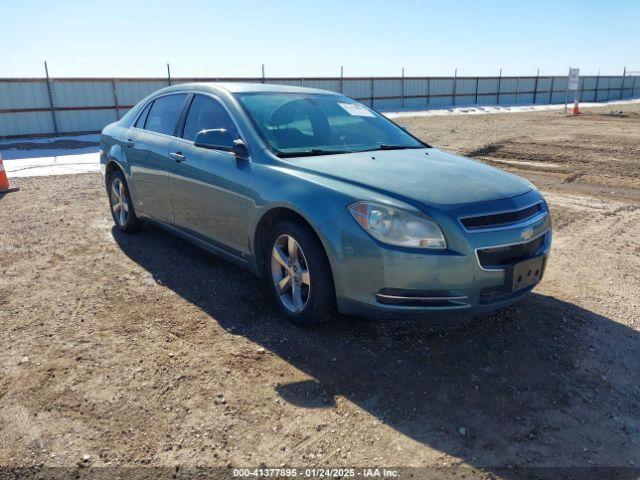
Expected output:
(299, 124)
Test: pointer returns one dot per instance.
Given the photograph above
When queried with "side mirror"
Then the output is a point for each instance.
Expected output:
(240, 150)
(216, 139)
(221, 139)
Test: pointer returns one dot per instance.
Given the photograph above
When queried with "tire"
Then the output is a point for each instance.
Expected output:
(316, 287)
(123, 213)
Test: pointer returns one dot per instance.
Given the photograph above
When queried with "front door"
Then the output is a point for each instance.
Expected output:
(209, 187)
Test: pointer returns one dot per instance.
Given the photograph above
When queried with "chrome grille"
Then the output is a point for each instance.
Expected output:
(500, 257)
(501, 219)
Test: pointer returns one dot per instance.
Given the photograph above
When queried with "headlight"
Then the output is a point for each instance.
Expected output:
(398, 227)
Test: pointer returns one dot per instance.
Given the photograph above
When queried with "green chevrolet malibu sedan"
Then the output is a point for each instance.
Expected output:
(336, 207)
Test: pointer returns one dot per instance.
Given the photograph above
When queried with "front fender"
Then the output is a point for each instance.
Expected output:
(273, 188)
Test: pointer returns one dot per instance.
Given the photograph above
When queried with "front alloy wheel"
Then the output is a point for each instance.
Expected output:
(299, 274)
(290, 273)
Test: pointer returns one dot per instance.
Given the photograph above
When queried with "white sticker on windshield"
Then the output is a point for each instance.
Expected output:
(355, 109)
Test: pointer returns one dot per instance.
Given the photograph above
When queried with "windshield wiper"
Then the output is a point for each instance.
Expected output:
(384, 146)
(310, 153)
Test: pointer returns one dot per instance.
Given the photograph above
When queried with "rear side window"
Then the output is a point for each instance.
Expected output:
(206, 113)
(164, 113)
(143, 116)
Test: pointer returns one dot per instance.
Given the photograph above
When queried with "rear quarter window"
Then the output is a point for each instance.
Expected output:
(143, 116)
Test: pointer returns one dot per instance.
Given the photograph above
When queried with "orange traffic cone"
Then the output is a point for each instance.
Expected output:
(576, 109)
(4, 181)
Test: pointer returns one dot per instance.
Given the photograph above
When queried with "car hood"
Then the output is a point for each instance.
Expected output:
(424, 175)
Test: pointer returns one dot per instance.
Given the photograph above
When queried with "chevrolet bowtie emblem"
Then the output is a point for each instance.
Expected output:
(527, 234)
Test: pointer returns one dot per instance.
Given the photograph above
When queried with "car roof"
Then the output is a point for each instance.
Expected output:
(246, 87)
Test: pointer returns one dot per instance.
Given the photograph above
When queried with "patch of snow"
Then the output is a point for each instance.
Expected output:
(40, 153)
(94, 137)
(486, 109)
(54, 165)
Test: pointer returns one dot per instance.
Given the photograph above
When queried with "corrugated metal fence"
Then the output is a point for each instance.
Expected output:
(74, 105)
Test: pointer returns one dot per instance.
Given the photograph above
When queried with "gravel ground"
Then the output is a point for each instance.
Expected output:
(146, 351)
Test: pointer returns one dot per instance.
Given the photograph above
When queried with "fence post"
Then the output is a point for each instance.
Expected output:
(50, 92)
(553, 81)
(372, 93)
(499, 86)
(453, 94)
(535, 87)
(168, 74)
(341, 79)
(517, 89)
(115, 98)
(624, 74)
(633, 86)
(477, 82)
(428, 90)
(566, 92)
(402, 91)
(597, 86)
(263, 73)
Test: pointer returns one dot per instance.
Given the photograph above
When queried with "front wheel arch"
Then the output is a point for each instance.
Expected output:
(263, 228)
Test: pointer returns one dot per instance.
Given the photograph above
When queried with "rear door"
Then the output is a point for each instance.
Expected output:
(209, 187)
(148, 152)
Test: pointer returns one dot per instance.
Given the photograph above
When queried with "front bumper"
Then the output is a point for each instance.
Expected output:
(380, 281)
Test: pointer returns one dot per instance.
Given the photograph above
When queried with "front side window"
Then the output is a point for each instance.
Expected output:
(297, 124)
(205, 113)
(164, 113)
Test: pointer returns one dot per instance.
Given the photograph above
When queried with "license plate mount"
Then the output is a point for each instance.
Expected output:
(527, 273)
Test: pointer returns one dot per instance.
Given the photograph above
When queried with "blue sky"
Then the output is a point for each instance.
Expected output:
(314, 38)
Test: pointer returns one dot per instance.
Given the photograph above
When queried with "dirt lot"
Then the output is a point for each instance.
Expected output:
(144, 350)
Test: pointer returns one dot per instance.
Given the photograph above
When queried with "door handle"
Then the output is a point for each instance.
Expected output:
(128, 143)
(178, 156)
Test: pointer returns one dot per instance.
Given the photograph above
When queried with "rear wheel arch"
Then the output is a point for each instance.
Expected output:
(112, 165)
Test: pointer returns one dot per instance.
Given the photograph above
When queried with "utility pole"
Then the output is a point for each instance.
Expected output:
(50, 92)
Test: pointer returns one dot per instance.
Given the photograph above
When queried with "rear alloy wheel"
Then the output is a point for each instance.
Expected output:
(119, 204)
(300, 275)
(122, 210)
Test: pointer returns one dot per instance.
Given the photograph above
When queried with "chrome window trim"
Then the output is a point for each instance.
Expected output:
(132, 124)
(189, 142)
(507, 245)
(522, 223)
(226, 109)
